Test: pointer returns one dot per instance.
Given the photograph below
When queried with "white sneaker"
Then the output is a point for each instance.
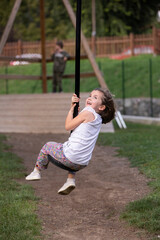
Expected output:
(35, 175)
(67, 187)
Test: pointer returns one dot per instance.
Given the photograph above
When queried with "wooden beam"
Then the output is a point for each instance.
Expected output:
(9, 24)
(86, 46)
(82, 75)
(31, 77)
(36, 60)
(43, 52)
(14, 59)
(19, 77)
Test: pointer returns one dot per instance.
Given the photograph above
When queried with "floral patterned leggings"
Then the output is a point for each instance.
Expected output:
(56, 151)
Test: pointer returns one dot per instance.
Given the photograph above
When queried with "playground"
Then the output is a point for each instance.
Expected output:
(117, 202)
(117, 195)
(93, 210)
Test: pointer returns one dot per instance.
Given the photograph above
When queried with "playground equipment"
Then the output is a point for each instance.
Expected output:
(119, 120)
(78, 48)
(79, 36)
(9, 24)
(42, 21)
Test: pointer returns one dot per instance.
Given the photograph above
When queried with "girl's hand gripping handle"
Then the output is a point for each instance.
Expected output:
(75, 105)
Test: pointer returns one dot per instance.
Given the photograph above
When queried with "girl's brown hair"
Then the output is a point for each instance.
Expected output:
(108, 113)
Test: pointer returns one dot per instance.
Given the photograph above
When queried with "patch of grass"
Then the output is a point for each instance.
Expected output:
(18, 220)
(21, 86)
(141, 145)
(144, 213)
(136, 77)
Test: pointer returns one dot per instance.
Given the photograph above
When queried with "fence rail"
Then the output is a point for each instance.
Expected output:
(38, 60)
(34, 60)
(31, 77)
(105, 46)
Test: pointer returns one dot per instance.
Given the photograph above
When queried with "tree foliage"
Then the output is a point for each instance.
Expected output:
(113, 17)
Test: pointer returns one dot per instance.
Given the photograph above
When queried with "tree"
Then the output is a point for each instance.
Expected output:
(4, 15)
(123, 16)
(113, 17)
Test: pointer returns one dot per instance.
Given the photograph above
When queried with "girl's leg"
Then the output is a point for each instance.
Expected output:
(35, 175)
(42, 162)
(71, 175)
(69, 184)
(56, 151)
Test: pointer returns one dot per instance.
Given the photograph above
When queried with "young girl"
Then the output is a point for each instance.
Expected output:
(77, 151)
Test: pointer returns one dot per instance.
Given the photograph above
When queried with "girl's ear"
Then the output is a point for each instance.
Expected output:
(102, 107)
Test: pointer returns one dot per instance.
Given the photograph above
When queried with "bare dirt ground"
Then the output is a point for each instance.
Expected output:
(92, 210)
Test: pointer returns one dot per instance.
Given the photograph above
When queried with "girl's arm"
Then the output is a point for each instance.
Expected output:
(71, 123)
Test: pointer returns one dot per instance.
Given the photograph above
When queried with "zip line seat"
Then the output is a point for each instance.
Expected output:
(59, 164)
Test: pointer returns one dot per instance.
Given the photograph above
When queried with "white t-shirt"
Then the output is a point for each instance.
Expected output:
(79, 147)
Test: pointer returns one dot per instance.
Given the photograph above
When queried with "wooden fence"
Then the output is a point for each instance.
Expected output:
(6, 61)
(105, 46)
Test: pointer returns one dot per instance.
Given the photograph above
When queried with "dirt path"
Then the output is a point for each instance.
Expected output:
(91, 211)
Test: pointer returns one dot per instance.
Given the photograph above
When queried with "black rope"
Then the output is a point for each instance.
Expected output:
(78, 47)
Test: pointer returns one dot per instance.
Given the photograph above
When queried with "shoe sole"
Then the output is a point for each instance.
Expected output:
(33, 179)
(67, 191)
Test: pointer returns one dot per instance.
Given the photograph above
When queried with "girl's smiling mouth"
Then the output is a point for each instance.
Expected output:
(89, 103)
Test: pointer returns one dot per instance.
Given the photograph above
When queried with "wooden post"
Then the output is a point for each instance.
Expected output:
(9, 24)
(154, 36)
(86, 46)
(43, 52)
(19, 45)
(132, 43)
(94, 27)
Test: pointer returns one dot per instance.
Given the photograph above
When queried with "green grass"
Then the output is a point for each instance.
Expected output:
(21, 86)
(136, 77)
(18, 220)
(141, 145)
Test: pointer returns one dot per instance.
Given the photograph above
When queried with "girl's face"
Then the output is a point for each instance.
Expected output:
(95, 101)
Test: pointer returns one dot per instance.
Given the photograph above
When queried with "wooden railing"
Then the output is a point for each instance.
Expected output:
(38, 60)
(105, 46)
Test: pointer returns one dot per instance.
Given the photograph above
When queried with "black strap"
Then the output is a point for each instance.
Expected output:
(59, 164)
